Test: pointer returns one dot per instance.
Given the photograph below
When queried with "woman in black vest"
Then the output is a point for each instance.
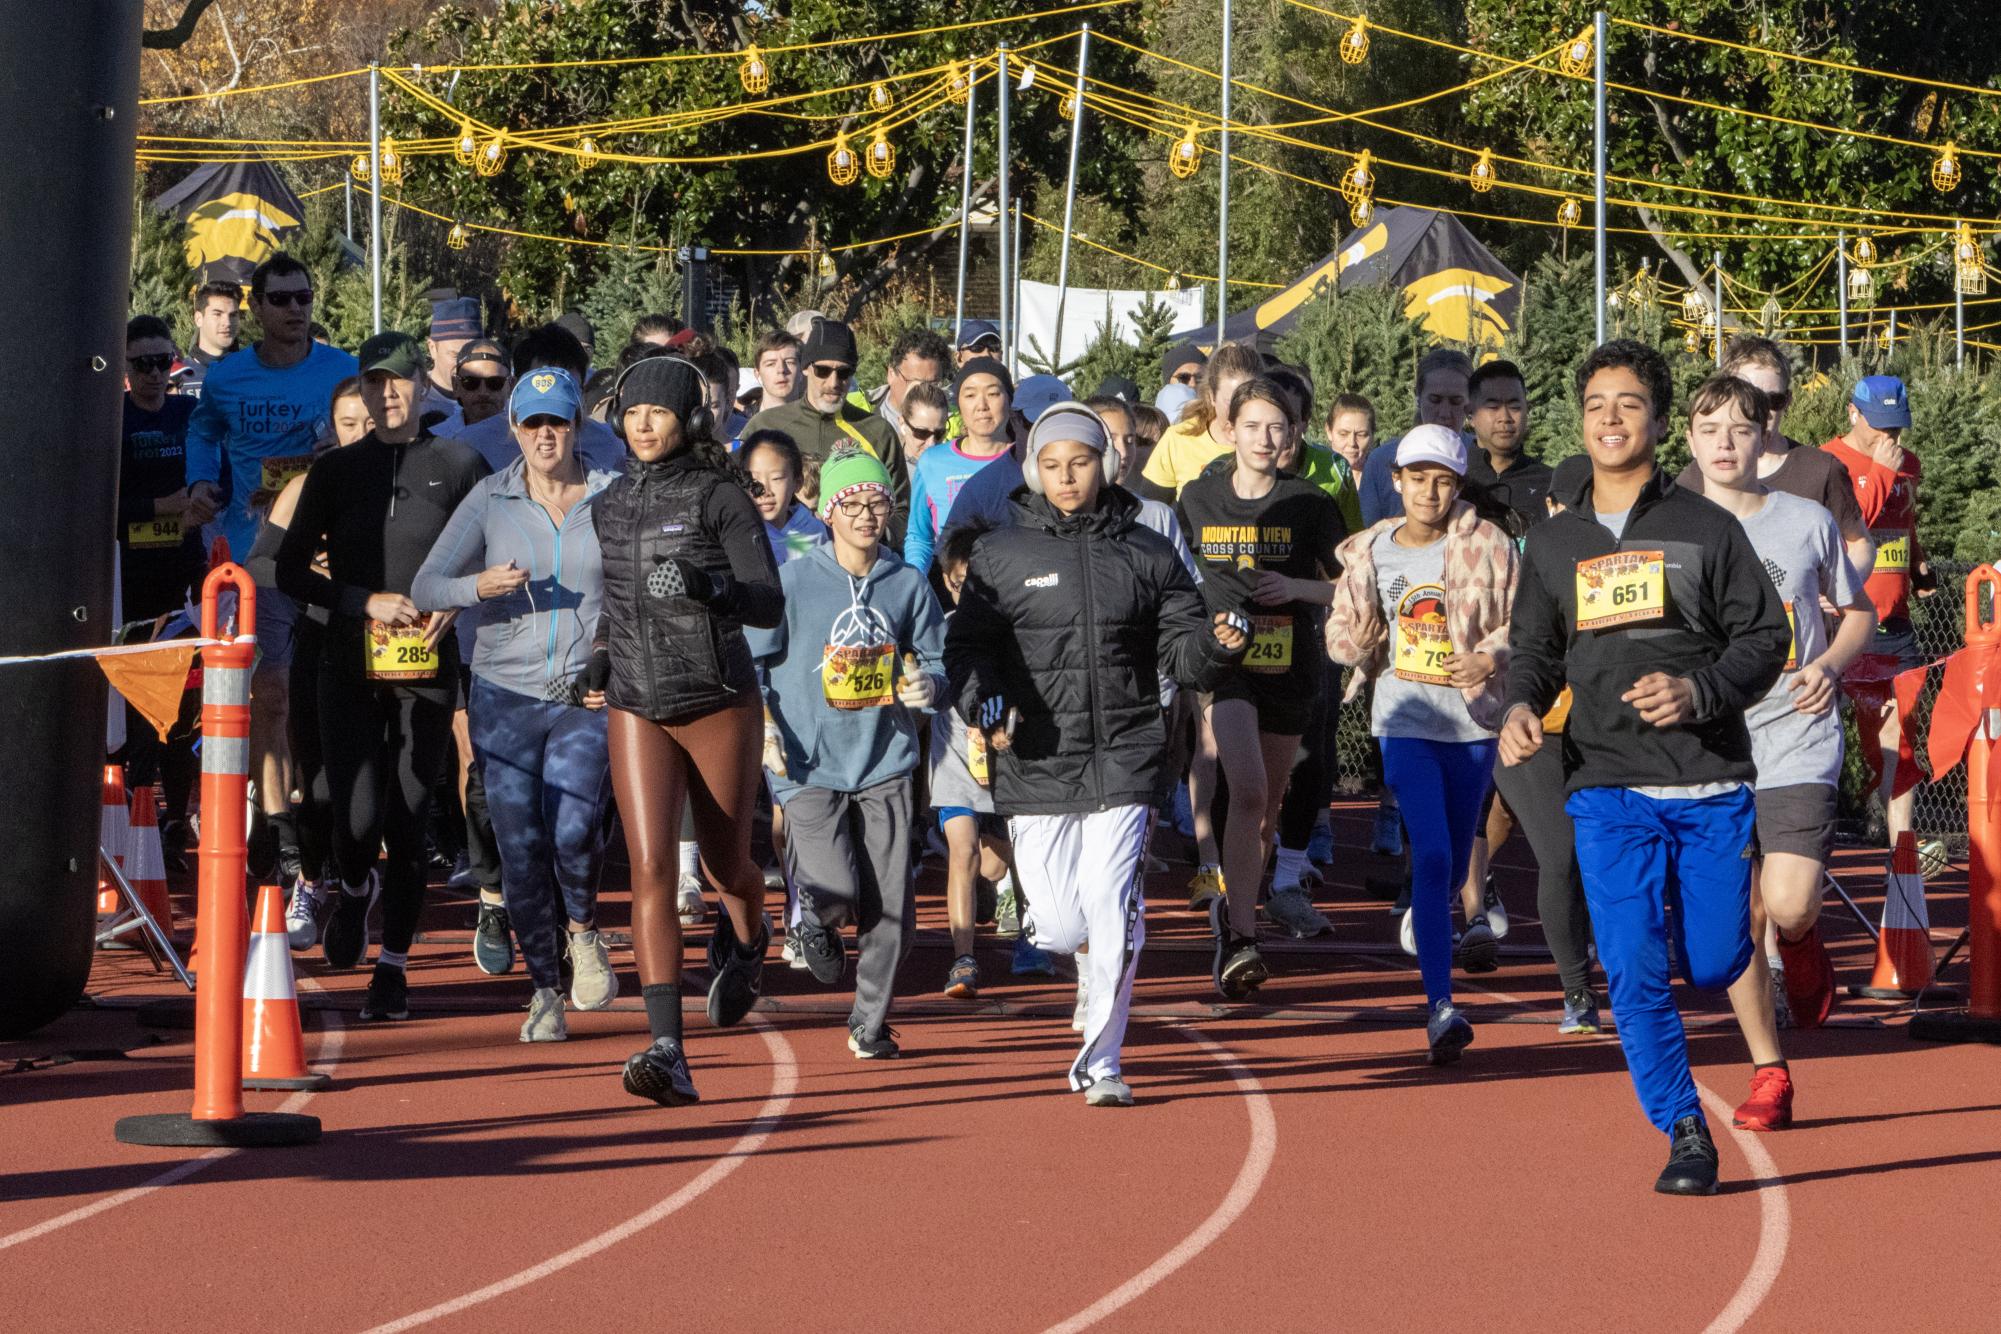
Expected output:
(686, 567)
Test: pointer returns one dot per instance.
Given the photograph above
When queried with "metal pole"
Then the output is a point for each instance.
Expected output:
(1070, 190)
(1598, 170)
(1014, 296)
(1958, 307)
(1223, 196)
(375, 193)
(965, 205)
(1719, 307)
(1006, 292)
(1841, 286)
(347, 182)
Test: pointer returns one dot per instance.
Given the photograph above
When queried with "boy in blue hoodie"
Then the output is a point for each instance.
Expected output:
(860, 651)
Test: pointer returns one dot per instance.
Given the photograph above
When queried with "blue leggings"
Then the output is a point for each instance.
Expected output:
(1651, 866)
(548, 776)
(1441, 787)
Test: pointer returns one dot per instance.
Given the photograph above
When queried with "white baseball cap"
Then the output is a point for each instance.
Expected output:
(1432, 444)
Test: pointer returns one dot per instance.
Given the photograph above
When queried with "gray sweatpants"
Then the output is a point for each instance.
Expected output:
(849, 854)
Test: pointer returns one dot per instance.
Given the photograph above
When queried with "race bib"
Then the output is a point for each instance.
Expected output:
(164, 531)
(399, 653)
(1558, 716)
(277, 472)
(1624, 588)
(1271, 645)
(1893, 553)
(1793, 639)
(858, 676)
(976, 757)
(1422, 648)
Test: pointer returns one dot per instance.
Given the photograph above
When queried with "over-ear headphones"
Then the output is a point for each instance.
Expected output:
(701, 423)
(1109, 459)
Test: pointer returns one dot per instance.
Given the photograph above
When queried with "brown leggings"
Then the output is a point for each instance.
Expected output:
(713, 764)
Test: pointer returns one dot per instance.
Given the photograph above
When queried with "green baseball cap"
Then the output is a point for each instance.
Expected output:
(397, 353)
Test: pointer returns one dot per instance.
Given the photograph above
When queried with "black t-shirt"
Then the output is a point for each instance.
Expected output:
(159, 556)
(1291, 530)
(1811, 474)
(1523, 489)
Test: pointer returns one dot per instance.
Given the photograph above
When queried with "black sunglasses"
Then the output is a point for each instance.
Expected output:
(301, 298)
(822, 371)
(930, 437)
(145, 365)
(491, 382)
(1186, 377)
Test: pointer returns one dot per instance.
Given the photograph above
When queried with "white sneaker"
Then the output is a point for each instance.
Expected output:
(302, 914)
(1407, 935)
(593, 984)
(545, 1022)
(693, 909)
(1108, 1091)
(1080, 1016)
(1495, 911)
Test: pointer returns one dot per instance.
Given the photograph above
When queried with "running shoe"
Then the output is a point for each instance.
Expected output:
(1108, 1091)
(291, 863)
(1030, 961)
(1402, 904)
(735, 978)
(1770, 1106)
(825, 954)
(345, 941)
(1494, 911)
(1080, 1016)
(1292, 911)
(1782, 1008)
(1407, 933)
(1691, 1164)
(1808, 979)
(493, 940)
(1478, 950)
(1205, 886)
(881, 1047)
(1933, 858)
(661, 1074)
(693, 908)
(1239, 969)
(793, 954)
(963, 981)
(1447, 1032)
(461, 876)
(1320, 848)
(593, 982)
(388, 995)
(302, 914)
(545, 1022)
(1386, 835)
(1007, 913)
(1580, 1012)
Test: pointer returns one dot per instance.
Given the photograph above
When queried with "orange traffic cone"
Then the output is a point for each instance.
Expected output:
(1904, 949)
(146, 866)
(114, 838)
(274, 1051)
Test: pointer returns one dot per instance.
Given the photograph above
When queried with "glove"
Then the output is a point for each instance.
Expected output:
(598, 674)
(993, 712)
(674, 577)
(915, 689)
(1237, 621)
(774, 747)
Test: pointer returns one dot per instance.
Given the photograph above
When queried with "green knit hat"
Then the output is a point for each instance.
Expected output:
(846, 471)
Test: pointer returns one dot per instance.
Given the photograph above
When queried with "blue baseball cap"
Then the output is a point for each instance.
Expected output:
(546, 392)
(974, 332)
(1883, 402)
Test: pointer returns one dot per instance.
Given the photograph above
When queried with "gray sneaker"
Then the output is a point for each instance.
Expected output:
(545, 1022)
(593, 984)
(1291, 911)
(1447, 1033)
(1108, 1091)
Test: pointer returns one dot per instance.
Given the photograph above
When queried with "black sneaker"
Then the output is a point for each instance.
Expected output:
(345, 940)
(388, 995)
(661, 1074)
(823, 951)
(1239, 969)
(493, 941)
(1691, 1164)
(736, 979)
(291, 863)
(881, 1047)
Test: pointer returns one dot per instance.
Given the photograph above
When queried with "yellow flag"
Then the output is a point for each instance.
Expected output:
(152, 682)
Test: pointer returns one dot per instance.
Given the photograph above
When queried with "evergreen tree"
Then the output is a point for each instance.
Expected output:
(161, 278)
(631, 283)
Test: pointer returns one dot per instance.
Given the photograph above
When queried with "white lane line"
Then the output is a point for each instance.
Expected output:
(333, 1038)
(1257, 1162)
(1775, 1224)
(784, 1081)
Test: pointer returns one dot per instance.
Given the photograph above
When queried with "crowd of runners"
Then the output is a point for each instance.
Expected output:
(1018, 627)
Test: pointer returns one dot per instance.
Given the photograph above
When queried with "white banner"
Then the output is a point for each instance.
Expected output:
(1087, 309)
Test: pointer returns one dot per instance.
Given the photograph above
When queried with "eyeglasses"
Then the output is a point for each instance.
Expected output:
(488, 382)
(301, 298)
(150, 365)
(854, 509)
(1185, 377)
(822, 371)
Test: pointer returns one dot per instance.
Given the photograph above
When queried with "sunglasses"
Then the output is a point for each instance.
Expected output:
(488, 382)
(930, 437)
(1186, 377)
(150, 365)
(822, 371)
(302, 298)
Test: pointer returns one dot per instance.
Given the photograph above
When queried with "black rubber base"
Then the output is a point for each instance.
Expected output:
(1928, 996)
(312, 1083)
(253, 1130)
(1954, 1026)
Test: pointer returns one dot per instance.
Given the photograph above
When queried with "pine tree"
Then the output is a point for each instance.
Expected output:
(632, 283)
(161, 278)
(1361, 341)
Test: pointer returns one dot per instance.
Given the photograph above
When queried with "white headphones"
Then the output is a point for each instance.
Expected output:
(1109, 458)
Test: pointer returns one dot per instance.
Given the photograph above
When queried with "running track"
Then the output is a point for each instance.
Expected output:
(1296, 1164)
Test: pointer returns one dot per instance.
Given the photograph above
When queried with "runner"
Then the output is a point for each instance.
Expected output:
(1265, 540)
(847, 671)
(1202, 435)
(552, 345)
(926, 421)
(776, 470)
(389, 674)
(1065, 623)
(1795, 729)
(686, 567)
(1421, 609)
(1652, 606)
(823, 417)
(521, 549)
(918, 356)
(1441, 401)
(984, 393)
(977, 338)
(218, 311)
(775, 360)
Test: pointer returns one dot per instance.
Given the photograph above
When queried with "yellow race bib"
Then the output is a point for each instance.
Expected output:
(399, 653)
(1893, 552)
(1624, 588)
(1422, 648)
(164, 531)
(977, 763)
(276, 472)
(858, 676)
(1793, 640)
(1271, 645)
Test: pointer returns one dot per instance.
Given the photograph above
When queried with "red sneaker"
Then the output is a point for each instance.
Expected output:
(1809, 978)
(1770, 1106)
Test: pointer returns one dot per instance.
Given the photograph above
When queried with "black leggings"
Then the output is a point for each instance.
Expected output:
(1312, 784)
(1535, 791)
(312, 814)
(384, 747)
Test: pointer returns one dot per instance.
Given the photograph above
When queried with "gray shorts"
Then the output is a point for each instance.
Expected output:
(1798, 820)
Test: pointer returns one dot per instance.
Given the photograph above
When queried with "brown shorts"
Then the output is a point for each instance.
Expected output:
(1798, 820)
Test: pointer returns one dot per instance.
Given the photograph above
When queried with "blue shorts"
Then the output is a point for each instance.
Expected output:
(277, 627)
(947, 814)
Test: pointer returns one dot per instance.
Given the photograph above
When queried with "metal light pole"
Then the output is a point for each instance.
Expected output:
(1719, 307)
(1013, 345)
(1841, 286)
(375, 193)
(965, 205)
(1598, 170)
(347, 187)
(1070, 190)
(1223, 197)
(1006, 292)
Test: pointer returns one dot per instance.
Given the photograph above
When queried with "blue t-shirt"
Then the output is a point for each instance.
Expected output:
(942, 471)
(1378, 492)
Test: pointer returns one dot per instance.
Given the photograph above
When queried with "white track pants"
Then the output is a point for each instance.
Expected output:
(1082, 877)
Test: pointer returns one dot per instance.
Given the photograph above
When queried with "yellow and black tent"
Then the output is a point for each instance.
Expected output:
(237, 215)
(1449, 280)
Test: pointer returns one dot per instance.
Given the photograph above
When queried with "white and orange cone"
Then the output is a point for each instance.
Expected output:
(1904, 949)
(114, 839)
(274, 1048)
(146, 864)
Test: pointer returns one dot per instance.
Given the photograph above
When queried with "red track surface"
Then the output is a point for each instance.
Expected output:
(1296, 1166)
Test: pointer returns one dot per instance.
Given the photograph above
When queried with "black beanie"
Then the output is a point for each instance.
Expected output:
(668, 381)
(983, 366)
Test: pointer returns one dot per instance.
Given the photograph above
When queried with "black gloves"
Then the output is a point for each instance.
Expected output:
(678, 578)
(598, 674)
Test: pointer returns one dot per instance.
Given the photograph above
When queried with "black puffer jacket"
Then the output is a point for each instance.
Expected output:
(1072, 621)
(674, 658)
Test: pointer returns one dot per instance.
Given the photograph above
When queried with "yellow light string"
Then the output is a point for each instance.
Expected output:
(1770, 53)
(252, 88)
(1081, 239)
